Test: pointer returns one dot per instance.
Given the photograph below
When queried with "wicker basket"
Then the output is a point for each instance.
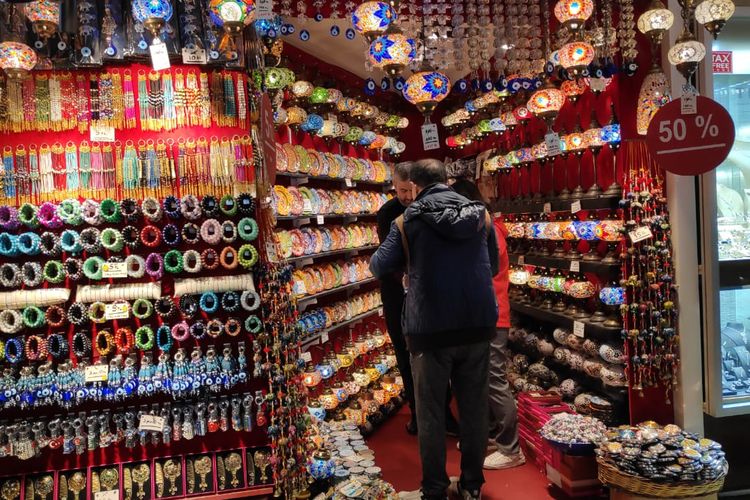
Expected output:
(611, 476)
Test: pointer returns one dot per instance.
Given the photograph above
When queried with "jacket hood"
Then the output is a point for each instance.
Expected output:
(447, 212)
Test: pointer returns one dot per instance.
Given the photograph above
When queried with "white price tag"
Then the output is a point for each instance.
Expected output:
(575, 266)
(306, 205)
(430, 137)
(324, 337)
(348, 183)
(159, 56)
(306, 357)
(153, 423)
(321, 220)
(598, 84)
(107, 495)
(640, 234)
(101, 133)
(114, 270)
(194, 56)
(547, 208)
(96, 373)
(521, 260)
(689, 104)
(552, 142)
(380, 312)
(271, 252)
(578, 328)
(575, 206)
(264, 9)
(120, 310)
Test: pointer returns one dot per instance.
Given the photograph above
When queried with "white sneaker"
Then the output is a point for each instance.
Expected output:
(497, 460)
(410, 495)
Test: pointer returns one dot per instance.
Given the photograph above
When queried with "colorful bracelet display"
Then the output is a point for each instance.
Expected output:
(318, 278)
(310, 201)
(312, 241)
(297, 159)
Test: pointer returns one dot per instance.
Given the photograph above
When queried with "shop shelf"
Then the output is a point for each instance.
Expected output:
(309, 218)
(254, 491)
(308, 299)
(316, 338)
(344, 251)
(609, 271)
(591, 330)
(534, 206)
(354, 183)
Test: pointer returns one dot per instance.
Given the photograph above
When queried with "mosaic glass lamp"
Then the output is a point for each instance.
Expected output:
(17, 59)
(425, 89)
(654, 93)
(232, 15)
(392, 52)
(576, 56)
(546, 103)
(153, 14)
(573, 13)
(371, 19)
(44, 16)
(686, 53)
(713, 14)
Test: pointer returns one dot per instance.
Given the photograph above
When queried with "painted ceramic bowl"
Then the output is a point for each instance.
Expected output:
(519, 276)
(581, 290)
(560, 335)
(614, 375)
(546, 348)
(611, 354)
(570, 388)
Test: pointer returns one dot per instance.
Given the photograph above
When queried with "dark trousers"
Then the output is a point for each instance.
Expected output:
(503, 411)
(392, 305)
(465, 368)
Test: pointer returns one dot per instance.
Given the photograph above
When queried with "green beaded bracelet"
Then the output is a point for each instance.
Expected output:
(54, 272)
(112, 240)
(27, 215)
(148, 343)
(173, 262)
(92, 268)
(69, 212)
(33, 317)
(228, 205)
(142, 308)
(247, 229)
(253, 324)
(110, 211)
(247, 256)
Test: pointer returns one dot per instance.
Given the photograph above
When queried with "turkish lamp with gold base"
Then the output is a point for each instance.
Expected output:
(654, 23)
(17, 59)
(44, 16)
(573, 13)
(425, 89)
(575, 58)
(153, 15)
(371, 19)
(232, 16)
(713, 14)
(546, 103)
(686, 54)
(392, 51)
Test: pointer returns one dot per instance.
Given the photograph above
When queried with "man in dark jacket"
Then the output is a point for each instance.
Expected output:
(448, 245)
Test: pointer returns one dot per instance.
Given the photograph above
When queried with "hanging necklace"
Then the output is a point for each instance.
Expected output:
(42, 96)
(83, 104)
(84, 165)
(58, 167)
(130, 170)
(9, 183)
(34, 177)
(143, 106)
(45, 170)
(55, 103)
(71, 168)
(129, 100)
(170, 114)
(22, 173)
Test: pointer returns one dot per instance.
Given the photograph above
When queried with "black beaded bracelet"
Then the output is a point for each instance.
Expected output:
(190, 233)
(57, 346)
(50, 244)
(210, 206)
(130, 210)
(170, 235)
(78, 313)
(131, 236)
(164, 307)
(91, 240)
(73, 269)
(172, 207)
(246, 204)
(82, 344)
(188, 306)
(230, 301)
(198, 330)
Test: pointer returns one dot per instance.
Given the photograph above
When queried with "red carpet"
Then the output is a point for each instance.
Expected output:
(397, 453)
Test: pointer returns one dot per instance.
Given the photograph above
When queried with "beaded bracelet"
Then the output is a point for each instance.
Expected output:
(191, 262)
(27, 215)
(91, 240)
(11, 321)
(55, 316)
(211, 231)
(155, 265)
(188, 306)
(104, 342)
(112, 240)
(151, 236)
(54, 272)
(130, 210)
(170, 234)
(78, 313)
(33, 317)
(151, 209)
(214, 328)
(124, 340)
(180, 332)
(190, 233)
(198, 330)
(57, 346)
(136, 266)
(250, 300)
(172, 207)
(35, 348)
(209, 302)
(228, 205)
(253, 324)
(190, 207)
(228, 258)
(210, 206)
(31, 274)
(47, 216)
(69, 212)
(8, 245)
(81, 344)
(173, 262)
(164, 307)
(144, 338)
(70, 241)
(248, 229)
(29, 243)
(91, 213)
(14, 350)
(228, 231)
(9, 218)
(232, 327)
(142, 308)
(164, 339)
(131, 237)
(92, 268)
(246, 204)
(248, 256)
(209, 259)
(230, 301)
(10, 275)
(96, 312)
(49, 244)
(110, 211)
(73, 269)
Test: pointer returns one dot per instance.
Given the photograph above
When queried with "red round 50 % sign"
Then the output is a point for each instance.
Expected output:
(692, 137)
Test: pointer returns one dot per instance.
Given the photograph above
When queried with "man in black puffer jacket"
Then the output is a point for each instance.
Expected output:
(449, 248)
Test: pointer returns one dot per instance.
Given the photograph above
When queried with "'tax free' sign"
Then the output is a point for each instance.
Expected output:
(722, 61)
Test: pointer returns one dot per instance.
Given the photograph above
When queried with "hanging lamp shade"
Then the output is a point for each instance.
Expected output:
(546, 102)
(573, 13)
(232, 14)
(686, 53)
(713, 14)
(392, 52)
(522, 113)
(576, 56)
(655, 21)
(17, 59)
(654, 93)
(153, 14)
(573, 89)
(371, 19)
(44, 16)
(425, 89)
